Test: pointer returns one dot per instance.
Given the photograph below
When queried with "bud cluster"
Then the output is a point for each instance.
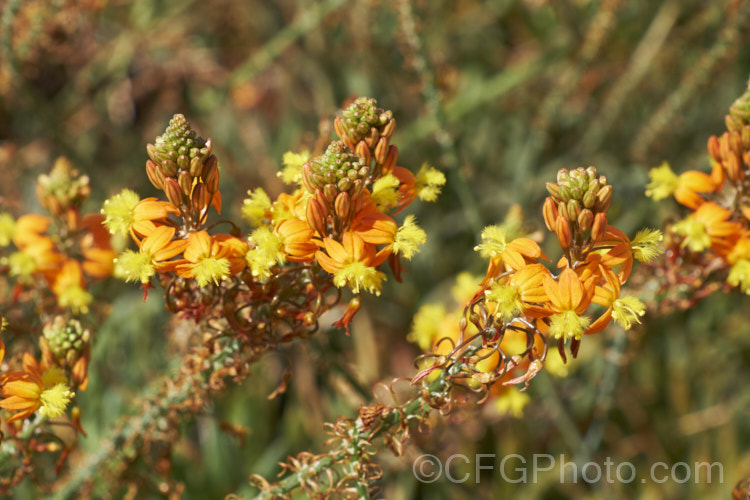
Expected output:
(67, 344)
(367, 129)
(739, 113)
(576, 209)
(66, 339)
(182, 165)
(63, 188)
(336, 180)
(732, 152)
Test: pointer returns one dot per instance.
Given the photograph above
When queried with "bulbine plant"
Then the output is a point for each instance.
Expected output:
(249, 286)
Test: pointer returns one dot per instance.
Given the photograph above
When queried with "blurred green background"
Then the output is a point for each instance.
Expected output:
(497, 94)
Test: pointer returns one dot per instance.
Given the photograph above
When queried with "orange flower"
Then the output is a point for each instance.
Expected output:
(155, 251)
(34, 389)
(709, 226)
(689, 184)
(296, 239)
(206, 259)
(70, 287)
(126, 213)
(505, 255)
(569, 298)
(374, 227)
(521, 294)
(625, 310)
(96, 248)
(352, 262)
(237, 248)
(29, 228)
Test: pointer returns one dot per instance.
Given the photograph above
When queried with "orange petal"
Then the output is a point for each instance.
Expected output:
(570, 288)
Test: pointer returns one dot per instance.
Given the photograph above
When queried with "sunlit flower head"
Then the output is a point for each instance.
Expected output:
(385, 192)
(256, 207)
(663, 182)
(645, 245)
(429, 182)
(292, 162)
(352, 262)
(408, 238)
(206, 260)
(569, 298)
(7, 228)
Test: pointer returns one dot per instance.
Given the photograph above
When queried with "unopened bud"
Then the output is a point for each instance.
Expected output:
(585, 219)
(562, 229)
(390, 159)
(603, 199)
(155, 174)
(363, 151)
(342, 205)
(316, 216)
(185, 182)
(599, 227)
(554, 190)
(589, 198)
(170, 168)
(574, 208)
(173, 192)
(549, 210)
(381, 150)
(196, 166)
(713, 148)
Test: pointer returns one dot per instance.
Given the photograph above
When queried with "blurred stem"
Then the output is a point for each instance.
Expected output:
(436, 114)
(560, 417)
(640, 62)
(604, 400)
(569, 77)
(305, 21)
(9, 13)
(694, 77)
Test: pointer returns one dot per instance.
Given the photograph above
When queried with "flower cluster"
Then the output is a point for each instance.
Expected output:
(63, 252)
(520, 302)
(339, 217)
(341, 214)
(719, 201)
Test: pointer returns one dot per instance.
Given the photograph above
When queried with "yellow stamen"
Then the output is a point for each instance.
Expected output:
(663, 182)
(118, 211)
(568, 325)
(428, 182)
(408, 238)
(359, 276)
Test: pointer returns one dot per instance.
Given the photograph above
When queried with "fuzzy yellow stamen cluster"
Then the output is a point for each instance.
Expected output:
(663, 182)
(408, 238)
(292, 162)
(429, 182)
(118, 212)
(255, 206)
(645, 245)
(493, 242)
